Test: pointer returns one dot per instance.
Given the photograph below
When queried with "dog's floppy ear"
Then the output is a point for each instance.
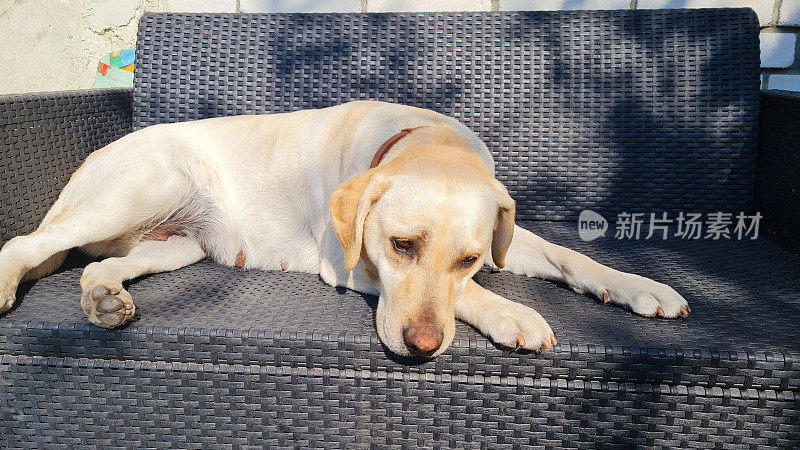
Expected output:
(503, 225)
(350, 204)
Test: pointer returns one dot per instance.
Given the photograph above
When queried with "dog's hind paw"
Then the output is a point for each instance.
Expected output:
(107, 305)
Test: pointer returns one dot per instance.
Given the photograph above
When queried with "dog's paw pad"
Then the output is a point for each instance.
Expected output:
(107, 305)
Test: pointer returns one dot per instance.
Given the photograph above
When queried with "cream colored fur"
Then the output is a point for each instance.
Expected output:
(293, 192)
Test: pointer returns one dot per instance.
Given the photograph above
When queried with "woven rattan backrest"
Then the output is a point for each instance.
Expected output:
(650, 110)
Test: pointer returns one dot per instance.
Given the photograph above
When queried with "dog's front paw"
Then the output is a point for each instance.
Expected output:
(516, 326)
(107, 305)
(643, 296)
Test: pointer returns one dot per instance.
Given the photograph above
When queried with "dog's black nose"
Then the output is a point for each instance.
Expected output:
(422, 340)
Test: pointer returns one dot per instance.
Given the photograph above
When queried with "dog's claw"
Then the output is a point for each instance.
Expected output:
(688, 309)
(520, 340)
(553, 339)
(545, 344)
(659, 312)
(606, 298)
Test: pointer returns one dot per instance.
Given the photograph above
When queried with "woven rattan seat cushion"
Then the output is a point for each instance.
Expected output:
(737, 336)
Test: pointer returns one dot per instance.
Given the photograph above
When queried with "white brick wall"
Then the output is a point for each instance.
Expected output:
(428, 5)
(197, 6)
(554, 5)
(307, 6)
(780, 62)
(55, 44)
(778, 50)
(790, 13)
(786, 82)
(763, 8)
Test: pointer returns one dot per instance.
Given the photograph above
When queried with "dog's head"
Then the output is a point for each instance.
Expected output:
(422, 224)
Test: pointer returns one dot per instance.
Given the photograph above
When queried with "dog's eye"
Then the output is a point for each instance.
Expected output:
(403, 245)
(469, 260)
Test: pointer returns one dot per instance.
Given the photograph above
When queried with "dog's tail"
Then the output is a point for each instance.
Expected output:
(49, 266)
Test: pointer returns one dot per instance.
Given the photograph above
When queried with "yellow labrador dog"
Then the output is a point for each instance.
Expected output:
(295, 191)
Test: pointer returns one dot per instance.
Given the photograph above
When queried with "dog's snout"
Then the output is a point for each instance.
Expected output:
(423, 340)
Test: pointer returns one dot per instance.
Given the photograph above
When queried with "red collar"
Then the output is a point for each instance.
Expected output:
(389, 143)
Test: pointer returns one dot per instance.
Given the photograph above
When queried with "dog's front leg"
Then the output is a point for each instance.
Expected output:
(333, 272)
(533, 256)
(507, 323)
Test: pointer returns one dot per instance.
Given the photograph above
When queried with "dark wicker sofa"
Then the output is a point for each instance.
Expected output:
(614, 111)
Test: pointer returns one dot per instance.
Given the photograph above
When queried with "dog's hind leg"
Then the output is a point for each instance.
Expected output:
(106, 302)
(49, 266)
(89, 215)
(24, 254)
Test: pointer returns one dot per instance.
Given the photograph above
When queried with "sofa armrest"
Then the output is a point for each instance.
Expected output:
(777, 195)
(44, 138)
